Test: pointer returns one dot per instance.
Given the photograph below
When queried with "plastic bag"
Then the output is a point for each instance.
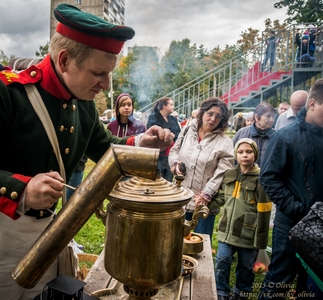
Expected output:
(68, 263)
(262, 262)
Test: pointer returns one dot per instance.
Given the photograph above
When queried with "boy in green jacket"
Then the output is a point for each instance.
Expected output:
(244, 221)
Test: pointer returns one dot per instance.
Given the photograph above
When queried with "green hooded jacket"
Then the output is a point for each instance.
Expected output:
(244, 218)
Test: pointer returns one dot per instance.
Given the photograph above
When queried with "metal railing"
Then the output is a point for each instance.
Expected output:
(229, 79)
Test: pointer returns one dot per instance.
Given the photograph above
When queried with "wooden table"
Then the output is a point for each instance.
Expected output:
(198, 285)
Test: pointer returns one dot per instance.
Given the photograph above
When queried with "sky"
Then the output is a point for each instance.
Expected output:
(24, 24)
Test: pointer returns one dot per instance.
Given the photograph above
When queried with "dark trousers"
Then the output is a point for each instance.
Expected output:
(244, 273)
(306, 60)
(164, 168)
(271, 57)
(283, 268)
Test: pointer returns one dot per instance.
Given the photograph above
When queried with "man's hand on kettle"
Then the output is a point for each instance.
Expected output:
(157, 137)
(43, 190)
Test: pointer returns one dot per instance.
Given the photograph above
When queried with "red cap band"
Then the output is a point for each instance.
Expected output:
(106, 44)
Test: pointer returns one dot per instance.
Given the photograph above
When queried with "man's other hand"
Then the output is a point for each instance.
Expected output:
(157, 137)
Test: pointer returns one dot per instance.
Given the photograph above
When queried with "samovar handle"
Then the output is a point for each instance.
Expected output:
(101, 214)
(200, 211)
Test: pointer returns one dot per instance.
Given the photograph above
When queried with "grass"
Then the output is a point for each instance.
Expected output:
(92, 235)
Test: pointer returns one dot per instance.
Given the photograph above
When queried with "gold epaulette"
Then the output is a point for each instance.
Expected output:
(30, 75)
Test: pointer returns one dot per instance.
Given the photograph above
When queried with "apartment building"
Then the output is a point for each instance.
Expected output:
(111, 10)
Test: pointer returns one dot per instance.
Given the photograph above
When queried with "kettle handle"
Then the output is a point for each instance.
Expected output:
(101, 214)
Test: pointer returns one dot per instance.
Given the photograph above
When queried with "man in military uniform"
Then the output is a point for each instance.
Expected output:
(82, 53)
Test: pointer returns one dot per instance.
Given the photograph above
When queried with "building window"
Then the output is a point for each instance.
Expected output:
(78, 2)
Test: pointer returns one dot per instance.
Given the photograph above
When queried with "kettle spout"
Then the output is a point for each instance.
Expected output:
(201, 211)
(119, 160)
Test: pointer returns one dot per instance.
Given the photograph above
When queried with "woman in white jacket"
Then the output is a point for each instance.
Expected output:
(207, 153)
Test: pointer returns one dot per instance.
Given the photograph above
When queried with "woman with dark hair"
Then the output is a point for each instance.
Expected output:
(260, 130)
(125, 124)
(161, 116)
(207, 153)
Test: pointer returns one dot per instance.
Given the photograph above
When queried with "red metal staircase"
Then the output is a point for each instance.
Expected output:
(253, 83)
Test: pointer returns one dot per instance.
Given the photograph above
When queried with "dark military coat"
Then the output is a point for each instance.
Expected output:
(25, 148)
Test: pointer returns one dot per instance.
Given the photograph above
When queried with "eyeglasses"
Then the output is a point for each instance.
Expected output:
(212, 114)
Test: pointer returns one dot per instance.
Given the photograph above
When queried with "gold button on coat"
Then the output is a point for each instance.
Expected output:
(64, 105)
(3, 190)
(33, 74)
(67, 151)
(61, 128)
(14, 195)
(74, 107)
(72, 129)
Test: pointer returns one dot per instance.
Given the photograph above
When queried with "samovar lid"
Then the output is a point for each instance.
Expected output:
(138, 189)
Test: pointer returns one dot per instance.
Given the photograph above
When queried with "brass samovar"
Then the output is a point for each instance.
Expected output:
(145, 227)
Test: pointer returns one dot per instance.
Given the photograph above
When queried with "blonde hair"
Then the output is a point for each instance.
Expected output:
(77, 51)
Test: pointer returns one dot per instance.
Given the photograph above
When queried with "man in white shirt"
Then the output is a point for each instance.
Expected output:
(297, 101)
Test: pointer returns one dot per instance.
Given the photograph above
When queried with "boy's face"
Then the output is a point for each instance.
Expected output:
(245, 155)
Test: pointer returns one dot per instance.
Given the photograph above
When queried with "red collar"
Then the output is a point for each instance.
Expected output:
(50, 82)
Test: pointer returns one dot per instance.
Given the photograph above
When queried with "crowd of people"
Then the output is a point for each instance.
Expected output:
(240, 177)
(290, 170)
(274, 159)
(243, 181)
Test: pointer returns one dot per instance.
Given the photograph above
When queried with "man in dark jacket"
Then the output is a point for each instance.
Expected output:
(292, 176)
(304, 55)
(162, 116)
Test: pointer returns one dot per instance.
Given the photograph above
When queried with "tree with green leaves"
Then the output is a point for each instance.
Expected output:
(180, 64)
(302, 11)
(43, 50)
(120, 75)
(4, 59)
